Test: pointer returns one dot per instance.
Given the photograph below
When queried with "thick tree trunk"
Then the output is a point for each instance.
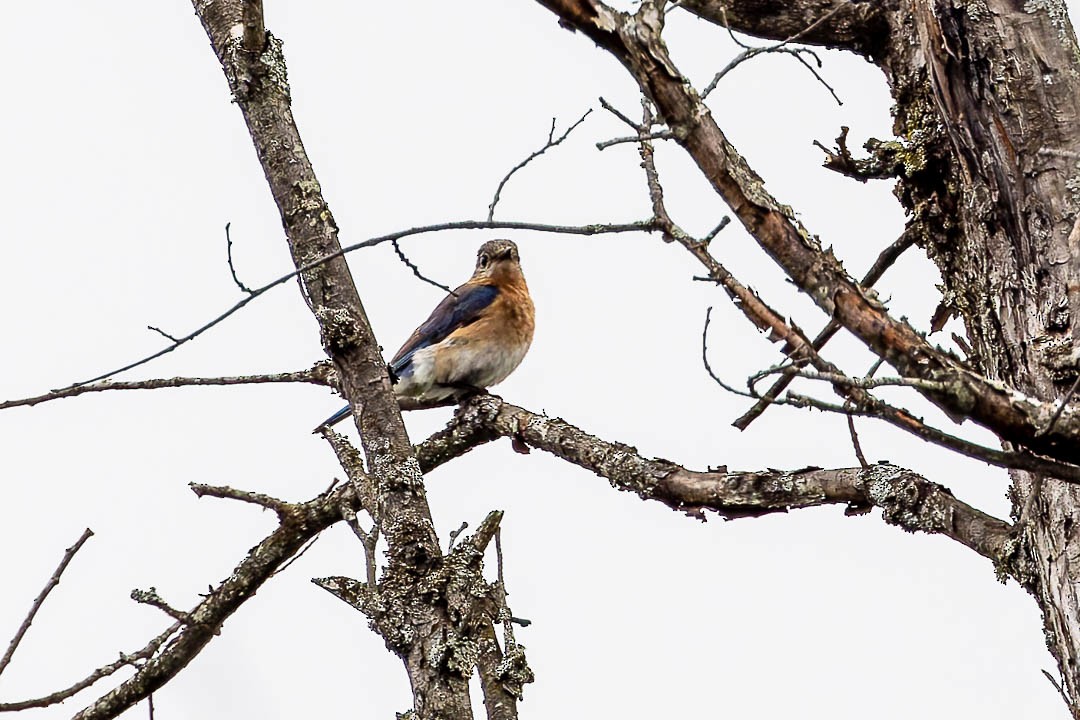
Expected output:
(988, 101)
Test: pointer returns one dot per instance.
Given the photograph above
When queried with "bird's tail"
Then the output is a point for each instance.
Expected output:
(334, 419)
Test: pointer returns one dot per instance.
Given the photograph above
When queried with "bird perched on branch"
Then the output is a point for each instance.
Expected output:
(474, 339)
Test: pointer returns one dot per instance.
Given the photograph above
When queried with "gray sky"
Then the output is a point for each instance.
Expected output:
(124, 160)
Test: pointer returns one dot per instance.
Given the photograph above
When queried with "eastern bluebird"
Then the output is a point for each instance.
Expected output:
(474, 339)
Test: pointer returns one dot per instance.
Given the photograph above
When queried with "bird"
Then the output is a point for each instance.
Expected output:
(473, 339)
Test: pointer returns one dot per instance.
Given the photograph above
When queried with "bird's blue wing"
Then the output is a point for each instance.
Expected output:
(458, 309)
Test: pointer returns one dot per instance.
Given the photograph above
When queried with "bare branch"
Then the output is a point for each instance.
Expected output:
(861, 402)
(781, 47)
(552, 141)
(228, 238)
(416, 271)
(658, 135)
(595, 229)
(53, 581)
(906, 499)
(206, 618)
(151, 597)
(162, 333)
(282, 508)
(102, 672)
(886, 259)
(855, 444)
(619, 114)
(316, 376)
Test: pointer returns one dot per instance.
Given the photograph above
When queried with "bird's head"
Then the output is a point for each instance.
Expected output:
(496, 259)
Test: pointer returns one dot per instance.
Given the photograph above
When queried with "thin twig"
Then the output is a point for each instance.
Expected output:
(595, 229)
(885, 259)
(618, 113)
(1058, 687)
(416, 271)
(866, 405)
(780, 47)
(228, 251)
(54, 580)
(552, 141)
(280, 507)
(658, 135)
(1060, 408)
(370, 541)
(855, 441)
(102, 672)
(162, 333)
(906, 420)
(454, 534)
(296, 557)
(151, 597)
(316, 376)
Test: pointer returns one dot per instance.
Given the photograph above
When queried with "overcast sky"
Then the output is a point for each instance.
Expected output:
(124, 159)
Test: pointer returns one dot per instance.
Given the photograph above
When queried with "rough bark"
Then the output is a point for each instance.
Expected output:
(987, 104)
(255, 68)
(906, 499)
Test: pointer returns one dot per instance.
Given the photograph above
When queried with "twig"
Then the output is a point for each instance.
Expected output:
(102, 672)
(370, 541)
(219, 604)
(151, 597)
(780, 47)
(552, 141)
(54, 580)
(864, 404)
(595, 229)
(855, 441)
(885, 259)
(866, 383)
(907, 421)
(658, 135)
(618, 113)
(416, 271)
(1058, 687)
(296, 557)
(162, 333)
(228, 237)
(316, 376)
(282, 508)
(708, 238)
(455, 533)
(1060, 408)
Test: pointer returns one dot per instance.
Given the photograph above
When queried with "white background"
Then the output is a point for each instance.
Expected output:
(124, 159)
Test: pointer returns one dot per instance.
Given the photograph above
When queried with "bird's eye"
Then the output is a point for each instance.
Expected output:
(483, 261)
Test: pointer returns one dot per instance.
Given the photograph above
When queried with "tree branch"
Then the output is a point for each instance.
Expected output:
(316, 376)
(552, 141)
(319, 261)
(54, 580)
(906, 499)
(204, 621)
